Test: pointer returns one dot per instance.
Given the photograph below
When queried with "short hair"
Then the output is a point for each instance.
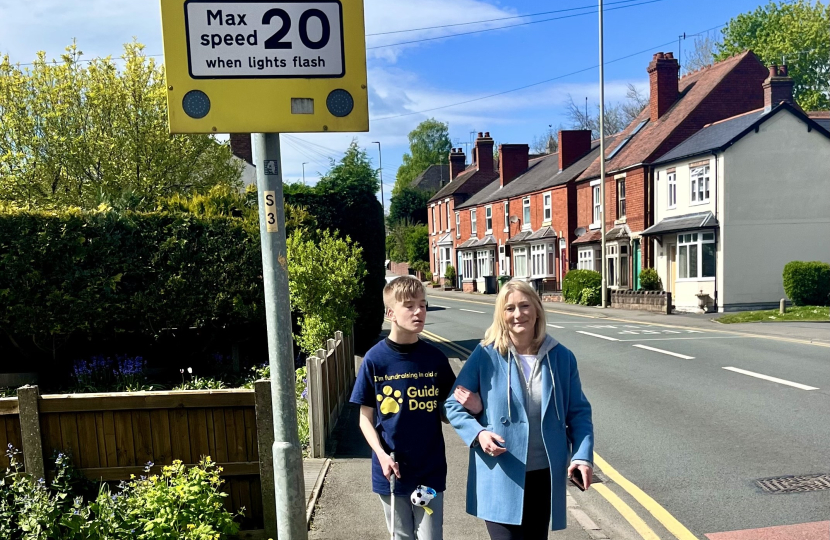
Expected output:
(498, 334)
(402, 289)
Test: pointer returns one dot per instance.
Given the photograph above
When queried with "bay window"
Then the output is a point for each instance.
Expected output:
(485, 259)
(520, 262)
(696, 255)
(469, 271)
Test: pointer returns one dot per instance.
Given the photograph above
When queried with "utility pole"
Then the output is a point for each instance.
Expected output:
(380, 169)
(289, 484)
(603, 255)
(304, 164)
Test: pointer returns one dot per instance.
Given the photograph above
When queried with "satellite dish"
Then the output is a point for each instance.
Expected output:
(579, 231)
(514, 219)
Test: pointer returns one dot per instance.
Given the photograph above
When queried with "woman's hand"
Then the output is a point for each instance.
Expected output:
(469, 400)
(491, 443)
(587, 473)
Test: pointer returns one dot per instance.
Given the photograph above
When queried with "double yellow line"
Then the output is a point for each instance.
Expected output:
(660, 514)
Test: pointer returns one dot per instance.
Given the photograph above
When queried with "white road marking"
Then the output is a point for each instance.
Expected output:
(686, 338)
(554, 326)
(683, 356)
(442, 307)
(597, 335)
(470, 310)
(772, 379)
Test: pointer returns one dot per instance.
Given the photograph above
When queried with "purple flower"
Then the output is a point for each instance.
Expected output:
(304, 395)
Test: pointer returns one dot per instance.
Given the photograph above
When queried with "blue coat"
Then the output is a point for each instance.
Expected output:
(495, 485)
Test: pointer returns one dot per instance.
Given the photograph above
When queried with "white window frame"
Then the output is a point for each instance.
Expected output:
(458, 224)
(621, 209)
(434, 229)
(473, 224)
(542, 259)
(469, 265)
(447, 202)
(685, 244)
(672, 189)
(585, 259)
(526, 217)
(502, 261)
(485, 259)
(520, 260)
(547, 205)
(506, 216)
(699, 184)
(488, 220)
(596, 194)
(619, 265)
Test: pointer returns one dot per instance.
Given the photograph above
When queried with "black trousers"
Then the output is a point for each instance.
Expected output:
(535, 513)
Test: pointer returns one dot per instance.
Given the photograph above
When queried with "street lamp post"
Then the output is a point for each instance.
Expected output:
(603, 256)
(304, 164)
(380, 169)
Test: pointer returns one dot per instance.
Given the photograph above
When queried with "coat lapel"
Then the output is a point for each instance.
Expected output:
(515, 378)
(548, 385)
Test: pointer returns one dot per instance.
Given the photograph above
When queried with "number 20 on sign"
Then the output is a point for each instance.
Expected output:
(265, 66)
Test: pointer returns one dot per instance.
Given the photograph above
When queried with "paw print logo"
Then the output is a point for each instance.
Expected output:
(390, 400)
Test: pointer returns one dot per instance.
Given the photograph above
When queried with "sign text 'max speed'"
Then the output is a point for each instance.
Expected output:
(265, 66)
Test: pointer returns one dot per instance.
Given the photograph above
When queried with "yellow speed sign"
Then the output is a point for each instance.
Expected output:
(265, 66)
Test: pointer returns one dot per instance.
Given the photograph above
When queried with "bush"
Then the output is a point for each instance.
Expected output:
(591, 296)
(577, 280)
(807, 283)
(449, 275)
(417, 244)
(650, 280)
(420, 266)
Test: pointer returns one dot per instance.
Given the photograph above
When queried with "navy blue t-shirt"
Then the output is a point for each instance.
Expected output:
(407, 390)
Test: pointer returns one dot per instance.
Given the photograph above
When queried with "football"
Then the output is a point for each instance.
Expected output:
(422, 495)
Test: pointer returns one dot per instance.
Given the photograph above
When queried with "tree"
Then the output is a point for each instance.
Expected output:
(409, 204)
(617, 115)
(547, 142)
(417, 244)
(82, 134)
(429, 144)
(703, 53)
(352, 177)
(792, 33)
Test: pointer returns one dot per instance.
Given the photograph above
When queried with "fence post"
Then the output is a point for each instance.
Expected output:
(352, 374)
(27, 401)
(331, 345)
(315, 404)
(265, 443)
(343, 362)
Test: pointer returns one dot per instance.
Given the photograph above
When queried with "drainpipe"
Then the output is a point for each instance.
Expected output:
(717, 242)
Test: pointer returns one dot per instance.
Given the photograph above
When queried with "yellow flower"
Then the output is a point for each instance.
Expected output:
(191, 526)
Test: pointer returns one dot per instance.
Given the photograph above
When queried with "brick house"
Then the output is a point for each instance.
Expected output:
(678, 108)
(464, 182)
(522, 224)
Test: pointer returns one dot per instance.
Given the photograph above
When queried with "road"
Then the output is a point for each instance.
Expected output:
(693, 417)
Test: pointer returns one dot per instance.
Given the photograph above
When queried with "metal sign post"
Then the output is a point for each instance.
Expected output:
(288, 459)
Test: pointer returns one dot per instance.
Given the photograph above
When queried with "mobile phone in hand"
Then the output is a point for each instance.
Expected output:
(577, 480)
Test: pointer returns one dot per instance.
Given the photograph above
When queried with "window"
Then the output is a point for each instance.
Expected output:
(618, 265)
(672, 189)
(468, 270)
(473, 231)
(485, 259)
(526, 213)
(596, 204)
(520, 262)
(488, 219)
(620, 198)
(434, 226)
(506, 216)
(539, 260)
(502, 262)
(700, 184)
(547, 206)
(696, 255)
(612, 265)
(458, 225)
(585, 260)
(447, 203)
(624, 265)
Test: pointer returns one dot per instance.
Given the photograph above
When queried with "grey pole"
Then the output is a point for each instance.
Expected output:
(289, 486)
(304, 164)
(603, 257)
(380, 169)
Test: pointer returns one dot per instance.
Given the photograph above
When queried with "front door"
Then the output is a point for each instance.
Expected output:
(636, 265)
(672, 273)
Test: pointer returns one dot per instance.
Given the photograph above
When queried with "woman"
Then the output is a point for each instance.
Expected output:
(531, 426)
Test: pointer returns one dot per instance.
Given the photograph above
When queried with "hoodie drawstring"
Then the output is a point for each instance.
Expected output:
(509, 372)
(511, 358)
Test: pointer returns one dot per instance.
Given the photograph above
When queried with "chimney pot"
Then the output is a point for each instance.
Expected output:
(458, 162)
(487, 134)
(484, 153)
(778, 87)
(773, 71)
(480, 134)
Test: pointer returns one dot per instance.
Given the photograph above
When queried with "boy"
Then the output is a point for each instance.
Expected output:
(401, 387)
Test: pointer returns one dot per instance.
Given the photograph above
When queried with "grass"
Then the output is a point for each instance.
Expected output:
(794, 313)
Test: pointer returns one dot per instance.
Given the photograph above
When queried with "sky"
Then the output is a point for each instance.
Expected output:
(465, 80)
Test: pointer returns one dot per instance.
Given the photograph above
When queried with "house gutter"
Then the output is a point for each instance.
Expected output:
(717, 304)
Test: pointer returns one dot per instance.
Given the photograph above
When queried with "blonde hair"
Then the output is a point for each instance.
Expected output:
(402, 289)
(498, 334)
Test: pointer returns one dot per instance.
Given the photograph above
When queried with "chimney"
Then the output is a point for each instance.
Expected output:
(512, 161)
(573, 145)
(458, 162)
(241, 146)
(662, 73)
(484, 152)
(778, 87)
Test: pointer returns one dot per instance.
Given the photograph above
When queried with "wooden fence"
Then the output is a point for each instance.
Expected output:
(330, 380)
(112, 436)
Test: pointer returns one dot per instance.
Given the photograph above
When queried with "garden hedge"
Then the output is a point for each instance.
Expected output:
(577, 280)
(807, 283)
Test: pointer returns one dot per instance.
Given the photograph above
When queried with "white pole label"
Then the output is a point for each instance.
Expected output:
(266, 39)
(271, 224)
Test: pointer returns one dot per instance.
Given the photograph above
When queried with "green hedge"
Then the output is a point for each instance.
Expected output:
(807, 283)
(649, 280)
(577, 280)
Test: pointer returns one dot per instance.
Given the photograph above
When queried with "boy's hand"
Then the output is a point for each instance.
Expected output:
(469, 400)
(492, 444)
(388, 466)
